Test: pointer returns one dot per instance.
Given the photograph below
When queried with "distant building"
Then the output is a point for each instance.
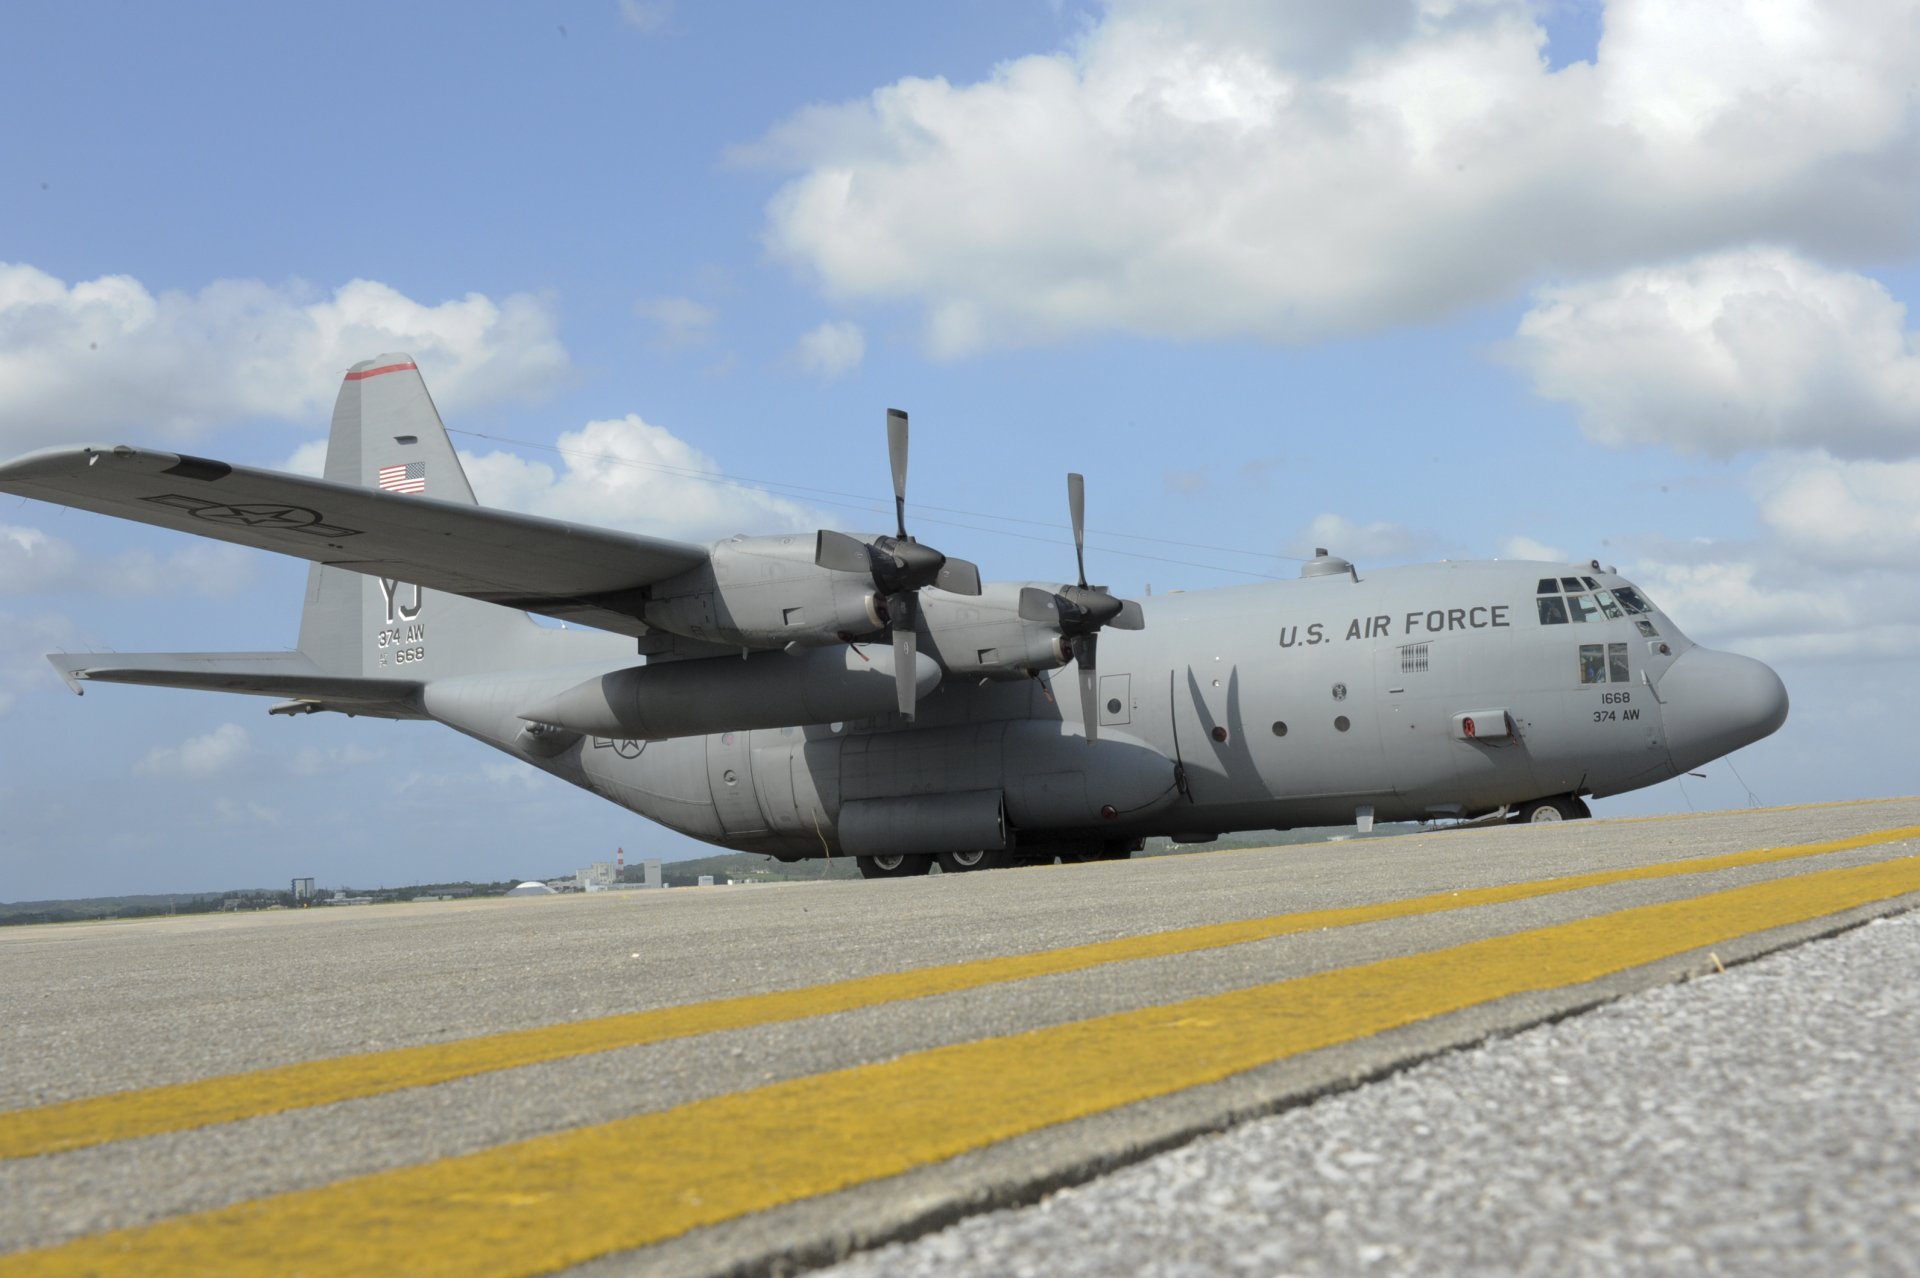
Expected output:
(651, 869)
(532, 887)
(302, 890)
(706, 880)
(597, 877)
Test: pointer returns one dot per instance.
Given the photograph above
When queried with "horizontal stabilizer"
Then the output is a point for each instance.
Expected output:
(267, 674)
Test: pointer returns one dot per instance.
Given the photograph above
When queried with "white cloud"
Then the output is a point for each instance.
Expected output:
(309, 459)
(1835, 573)
(1197, 170)
(105, 358)
(198, 758)
(1349, 540)
(1747, 349)
(316, 761)
(32, 561)
(680, 321)
(834, 348)
(1527, 548)
(1841, 515)
(628, 473)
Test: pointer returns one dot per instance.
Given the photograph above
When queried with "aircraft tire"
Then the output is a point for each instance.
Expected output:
(967, 862)
(893, 867)
(1557, 807)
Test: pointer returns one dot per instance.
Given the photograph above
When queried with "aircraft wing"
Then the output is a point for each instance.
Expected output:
(575, 572)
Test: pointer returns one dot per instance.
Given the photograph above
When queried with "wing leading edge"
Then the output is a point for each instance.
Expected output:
(574, 572)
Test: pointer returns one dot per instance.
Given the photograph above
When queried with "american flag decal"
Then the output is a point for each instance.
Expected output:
(409, 478)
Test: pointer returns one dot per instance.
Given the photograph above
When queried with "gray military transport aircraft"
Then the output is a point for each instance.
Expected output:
(808, 696)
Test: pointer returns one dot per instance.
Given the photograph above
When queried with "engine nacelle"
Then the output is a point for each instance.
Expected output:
(764, 592)
(985, 636)
(728, 694)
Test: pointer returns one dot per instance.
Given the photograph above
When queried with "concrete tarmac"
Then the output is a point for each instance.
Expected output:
(762, 1079)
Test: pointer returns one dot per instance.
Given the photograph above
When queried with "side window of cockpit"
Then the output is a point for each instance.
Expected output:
(1617, 663)
(1607, 605)
(1632, 600)
(1604, 663)
(1582, 607)
(1593, 663)
(1553, 611)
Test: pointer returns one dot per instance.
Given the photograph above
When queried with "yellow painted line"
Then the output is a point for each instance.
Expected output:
(97, 1120)
(558, 1200)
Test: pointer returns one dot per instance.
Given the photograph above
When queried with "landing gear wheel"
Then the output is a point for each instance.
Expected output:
(965, 862)
(1581, 810)
(893, 867)
(1559, 807)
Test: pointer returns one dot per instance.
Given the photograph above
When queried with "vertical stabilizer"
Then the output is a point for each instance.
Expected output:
(387, 434)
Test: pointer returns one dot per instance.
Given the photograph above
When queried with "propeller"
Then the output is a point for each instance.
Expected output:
(899, 567)
(1080, 611)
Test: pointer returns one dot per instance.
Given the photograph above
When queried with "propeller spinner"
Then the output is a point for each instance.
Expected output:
(899, 566)
(1080, 611)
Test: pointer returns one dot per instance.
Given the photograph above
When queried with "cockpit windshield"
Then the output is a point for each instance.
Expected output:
(1562, 600)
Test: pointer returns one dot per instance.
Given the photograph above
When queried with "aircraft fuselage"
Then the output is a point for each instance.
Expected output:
(1405, 694)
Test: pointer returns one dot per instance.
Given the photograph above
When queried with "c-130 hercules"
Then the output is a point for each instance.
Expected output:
(807, 696)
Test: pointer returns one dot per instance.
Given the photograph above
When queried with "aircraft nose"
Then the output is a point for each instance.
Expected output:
(1715, 702)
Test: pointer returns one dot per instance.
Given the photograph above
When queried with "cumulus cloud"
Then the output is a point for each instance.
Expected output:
(628, 473)
(198, 758)
(1204, 170)
(35, 562)
(1527, 548)
(316, 761)
(1834, 573)
(833, 348)
(1350, 540)
(1834, 514)
(108, 359)
(1754, 348)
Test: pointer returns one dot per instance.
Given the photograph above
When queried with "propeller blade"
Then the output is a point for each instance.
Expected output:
(1039, 605)
(959, 577)
(897, 454)
(1077, 503)
(841, 553)
(1129, 617)
(900, 610)
(1083, 654)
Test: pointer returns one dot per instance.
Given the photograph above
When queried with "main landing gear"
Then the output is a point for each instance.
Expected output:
(893, 867)
(1559, 807)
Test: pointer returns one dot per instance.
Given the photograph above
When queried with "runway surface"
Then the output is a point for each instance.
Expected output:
(767, 1078)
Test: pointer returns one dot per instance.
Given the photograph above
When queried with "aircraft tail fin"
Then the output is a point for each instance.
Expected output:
(387, 434)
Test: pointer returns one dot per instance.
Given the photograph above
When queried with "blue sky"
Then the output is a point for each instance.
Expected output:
(1415, 280)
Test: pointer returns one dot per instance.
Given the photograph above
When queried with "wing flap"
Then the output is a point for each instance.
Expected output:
(576, 572)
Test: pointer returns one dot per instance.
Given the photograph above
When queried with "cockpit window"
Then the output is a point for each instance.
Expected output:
(1604, 663)
(1586, 601)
